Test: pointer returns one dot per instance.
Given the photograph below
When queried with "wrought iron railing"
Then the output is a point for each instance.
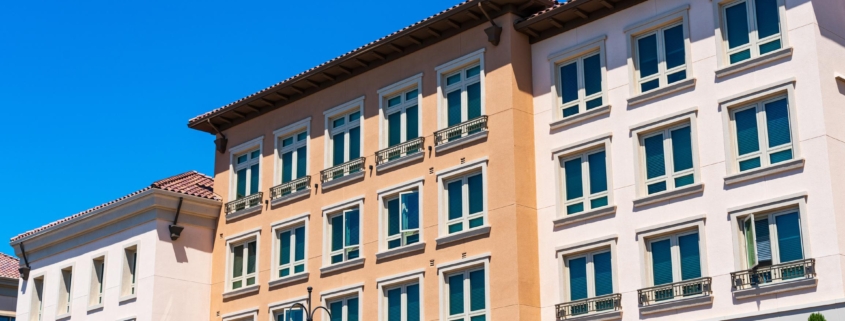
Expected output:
(410, 147)
(244, 203)
(655, 294)
(767, 274)
(610, 302)
(471, 126)
(342, 170)
(290, 187)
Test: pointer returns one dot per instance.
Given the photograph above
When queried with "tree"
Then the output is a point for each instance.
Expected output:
(816, 317)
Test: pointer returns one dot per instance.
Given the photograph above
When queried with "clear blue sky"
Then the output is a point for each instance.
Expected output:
(95, 95)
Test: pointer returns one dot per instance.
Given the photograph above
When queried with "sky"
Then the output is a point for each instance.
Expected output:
(95, 95)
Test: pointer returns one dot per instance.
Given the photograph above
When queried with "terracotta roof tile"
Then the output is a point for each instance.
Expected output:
(190, 183)
(9, 266)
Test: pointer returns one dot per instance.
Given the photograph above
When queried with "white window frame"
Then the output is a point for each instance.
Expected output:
(581, 150)
(723, 58)
(676, 254)
(577, 54)
(64, 302)
(773, 236)
(671, 229)
(344, 110)
(593, 246)
(450, 68)
(234, 153)
(344, 294)
(37, 301)
(665, 20)
(276, 309)
(280, 135)
(400, 281)
(97, 286)
(663, 125)
(777, 206)
(244, 238)
(278, 228)
(330, 212)
(390, 193)
(401, 88)
(243, 315)
(129, 273)
(462, 172)
(466, 265)
(591, 275)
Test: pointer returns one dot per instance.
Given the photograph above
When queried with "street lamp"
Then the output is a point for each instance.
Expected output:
(309, 313)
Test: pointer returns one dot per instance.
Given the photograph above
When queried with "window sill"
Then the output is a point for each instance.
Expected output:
(400, 250)
(342, 265)
(244, 212)
(676, 304)
(289, 279)
(600, 316)
(481, 230)
(577, 118)
(130, 297)
(291, 197)
(58, 317)
(400, 161)
(95, 308)
(461, 141)
(662, 91)
(668, 195)
(343, 180)
(754, 62)
(764, 171)
(574, 218)
(775, 288)
(242, 291)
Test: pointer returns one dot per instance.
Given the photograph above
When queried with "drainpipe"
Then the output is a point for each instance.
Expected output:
(176, 230)
(494, 33)
(24, 270)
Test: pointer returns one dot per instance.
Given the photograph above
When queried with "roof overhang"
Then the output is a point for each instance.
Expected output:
(570, 15)
(443, 25)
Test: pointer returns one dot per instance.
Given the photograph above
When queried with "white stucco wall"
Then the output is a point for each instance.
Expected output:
(815, 95)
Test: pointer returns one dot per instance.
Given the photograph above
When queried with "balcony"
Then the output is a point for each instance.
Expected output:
(764, 280)
(610, 304)
(245, 205)
(468, 131)
(342, 173)
(290, 190)
(675, 295)
(400, 154)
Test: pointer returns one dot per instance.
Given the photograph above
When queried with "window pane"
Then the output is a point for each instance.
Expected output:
(592, 74)
(287, 167)
(646, 86)
(574, 183)
(777, 123)
(352, 309)
(412, 294)
(453, 102)
(337, 232)
(354, 143)
(778, 157)
(287, 141)
(299, 238)
(476, 222)
(675, 77)
(338, 122)
(661, 260)
(654, 158)
(574, 208)
(740, 56)
(594, 103)
(394, 129)
(603, 273)
(690, 256)
(598, 202)
(455, 194)
(598, 172)
(456, 294)
(656, 187)
(736, 21)
(749, 164)
(474, 71)
(474, 101)
(570, 111)
(769, 47)
(238, 268)
(768, 21)
(241, 183)
(411, 95)
(393, 217)
(682, 149)
(242, 158)
(255, 154)
(394, 101)
(352, 223)
(578, 279)
(410, 210)
(394, 305)
(750, 254)
(354, 116)
(301, 161)
(647, 54)
(295, 315)
(253, 179)
(476, 194)
(675, 51)
(338, 152)
(300, 137)
(336, 309)
(569, 82)
(284, 255)
(684, 180)
(764, 243)
(453, 79)
(476, 288)
(789, 237)
(250, 259)
(746, 131)
(412, 123)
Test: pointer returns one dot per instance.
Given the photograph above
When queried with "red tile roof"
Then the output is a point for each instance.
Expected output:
(190, 183)
(9, 266)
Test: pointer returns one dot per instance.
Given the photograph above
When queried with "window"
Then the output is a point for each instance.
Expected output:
(466, 295)
(580, 84)
(293, 156)
(661, 57)
(402, 114)
(291, 251)
(587, 276)
(402, 303)
(346, 309)
(668, 158)
(585, 181)
(463, 95)
(403, 218)
(762, 133)
(65, 291)
(247, 173)
(2, 318)
(772, 238)
(130, 261)
(37, 308)
(345, 235)
(345, 133)
(290, 315)
(98, 276)
(675, 258)
(465, 199)
(243, 256)
(752, 28)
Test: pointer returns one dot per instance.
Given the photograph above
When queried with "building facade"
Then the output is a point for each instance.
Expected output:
(121, 260)
(9, 278)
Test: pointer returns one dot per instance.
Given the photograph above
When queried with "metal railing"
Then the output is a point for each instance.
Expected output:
(767, 274)
(296, 185)
(413, 146)
(610, 302)
(700, 286)
(471, 126)
(342, 170)
(244, 203)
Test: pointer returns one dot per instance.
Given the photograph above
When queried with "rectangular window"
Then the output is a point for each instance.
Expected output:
(345, 135)
(98, 277)
(466, 295)
(585, 181)
(402, 303)
(675, 258)
(462, 91)
(402, 114)
(772, 238)
(403, 219)
(762, 133)
(668, 158)
(590, 275)
(751, 28)
(580, 84)
(130, 261)
(37, 309)
(346, 309)
(66, 291)
(247, 173)
(345, 235)
(660, 57)
(465, 203)
(244, 270)
(290, 315)
(291, 251)
(293, 156)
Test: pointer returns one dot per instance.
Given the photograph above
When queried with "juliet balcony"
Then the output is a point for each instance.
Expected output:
(244, 205)
(468, 131)
(291, 190)
(771, 279)
(400, 154)
(677, 295)
(343, 173)
(606, 307)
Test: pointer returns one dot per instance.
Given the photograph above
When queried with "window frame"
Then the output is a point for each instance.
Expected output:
(344, 110)
(401, 88)
(400, 281)
(462, 172)
(583, 148)
(591, 274)
(761, 114)
(344, 294)
(668, 159)
(577, 56)
(38, 282)
(332, 211)
(469, 264)
(676, 254)
(279, 135)
(289, 224)
(95, 295)
(662, 126)
(773, 236)
(129, 270)
(723, 58)
(278, 308)
(64, 301)
(390, 193)
(656, 25)
(451, 68)
(245, 149)
(785, 204)
(587, 197)
(242, 239)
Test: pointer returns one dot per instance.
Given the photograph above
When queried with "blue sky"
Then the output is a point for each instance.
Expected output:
(96, 95)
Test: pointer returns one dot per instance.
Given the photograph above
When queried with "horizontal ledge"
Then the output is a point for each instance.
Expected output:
(668, 195)
(242, 291)
(400, 250)
(127, 298)
(775, 288)
(463, 235)
(400, 161)
(244, 212)
(577, 118)
(95, 307)
(289, 279)
(291, 197)
(676, 304)
(461, 141)
(575, 218)
(754, 62)
(599, 316)
(343, 180)
(764, 171)
(342, 265)
(662, 91)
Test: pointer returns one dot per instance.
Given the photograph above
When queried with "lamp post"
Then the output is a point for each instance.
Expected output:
(309, 313)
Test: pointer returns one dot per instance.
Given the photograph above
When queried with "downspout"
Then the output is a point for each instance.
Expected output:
(219, 142)
(176, 230)
(494, 33)
(24, 270)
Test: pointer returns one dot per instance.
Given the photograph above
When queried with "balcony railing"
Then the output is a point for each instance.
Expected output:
(244, 203)
(471, 126)
(404, 149)
(610, 302)
(290, 187)
(767, 274)
(656, 294)
(350, 167)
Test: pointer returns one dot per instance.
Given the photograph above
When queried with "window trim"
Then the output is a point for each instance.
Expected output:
(582, 148)
(243, 315)
(275, 308)
(450, 174)
(277, 228)
(33, 298)
(134, 285)
(599, 245)
(650, 128)
(278, 150)
(234, 152)
(91, 291)
(233, 241)
(400, 280)
(62, 284)
(331, 211)
(472, 58)
(390, 193)
(578, 53)
(343, 293)
(465, 265)
(664, 20)
(343, 109)
(400, 87)
(722, 57)
(672, 234)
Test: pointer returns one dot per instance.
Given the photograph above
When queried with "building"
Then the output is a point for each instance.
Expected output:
(695, 148)
(145, 256)
(9, 277)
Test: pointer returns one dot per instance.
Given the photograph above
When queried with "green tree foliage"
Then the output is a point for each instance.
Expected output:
(816, 317)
